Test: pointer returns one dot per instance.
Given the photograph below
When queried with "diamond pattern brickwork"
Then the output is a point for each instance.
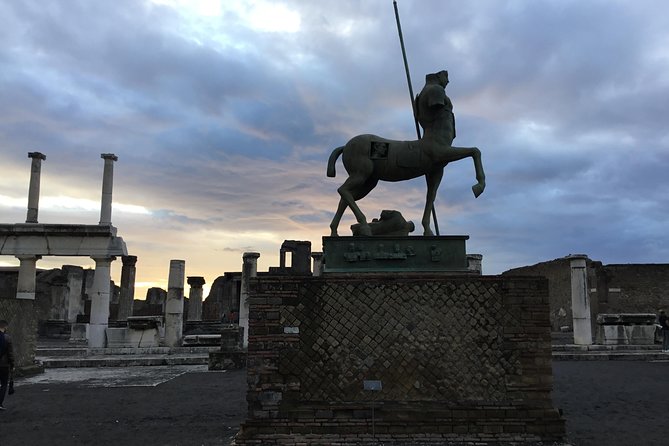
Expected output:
(424, 341)
(462, 359)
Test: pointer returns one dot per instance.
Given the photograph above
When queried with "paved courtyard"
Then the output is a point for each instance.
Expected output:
(607, 403)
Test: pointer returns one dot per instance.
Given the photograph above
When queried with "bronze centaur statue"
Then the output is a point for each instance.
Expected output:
(370, 158)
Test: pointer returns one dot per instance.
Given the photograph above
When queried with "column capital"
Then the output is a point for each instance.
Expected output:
(109, 156)
(129, 260)
(250, 255)
(196, 281)
(103, 259)
(577, 256)
(317, 255)
(28, 257)
(577, 260)
(36, 155)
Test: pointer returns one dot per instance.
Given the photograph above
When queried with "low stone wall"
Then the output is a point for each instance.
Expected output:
(459, 358)
(22, 318)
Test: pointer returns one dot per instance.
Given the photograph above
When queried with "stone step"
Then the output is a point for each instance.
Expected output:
(124, 360)
(637, 355)
(605, 348)
(50, 351)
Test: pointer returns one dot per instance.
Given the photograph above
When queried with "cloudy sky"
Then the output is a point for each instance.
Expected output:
(223, 114)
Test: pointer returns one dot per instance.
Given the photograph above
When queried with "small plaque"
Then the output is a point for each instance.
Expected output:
(291, 330)
(372, 384)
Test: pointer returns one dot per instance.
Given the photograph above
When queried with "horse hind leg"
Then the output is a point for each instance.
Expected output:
(355, 188)
(341, 208)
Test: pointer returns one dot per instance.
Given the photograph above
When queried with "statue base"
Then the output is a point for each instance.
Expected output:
(399, 359)
(446, 253)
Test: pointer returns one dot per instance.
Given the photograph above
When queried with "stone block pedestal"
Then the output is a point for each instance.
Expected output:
(386, 253)
(455, 359)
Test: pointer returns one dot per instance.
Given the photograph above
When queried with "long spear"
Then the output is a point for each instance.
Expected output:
(411, 97)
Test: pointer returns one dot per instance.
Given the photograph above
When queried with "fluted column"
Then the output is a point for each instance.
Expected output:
(249, 269)
(174, 306)
(127, 297)
(99, 294)
(33, 191)
(25, 286)
(580, 300)
(107, 187)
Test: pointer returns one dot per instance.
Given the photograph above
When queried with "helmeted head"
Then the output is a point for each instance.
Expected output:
(3, 325)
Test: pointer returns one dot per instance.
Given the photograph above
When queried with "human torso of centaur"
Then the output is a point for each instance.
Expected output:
(391, 160)
(434, 112)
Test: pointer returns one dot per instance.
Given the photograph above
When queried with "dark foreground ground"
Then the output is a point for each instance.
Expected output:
(607, 403)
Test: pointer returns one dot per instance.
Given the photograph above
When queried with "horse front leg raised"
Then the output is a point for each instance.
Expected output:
(433, 179)
(458, 153)
(480, 175)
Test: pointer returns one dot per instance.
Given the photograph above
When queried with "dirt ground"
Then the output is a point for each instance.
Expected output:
(607, 403)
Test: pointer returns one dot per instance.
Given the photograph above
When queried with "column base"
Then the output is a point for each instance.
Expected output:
(25, 296)
(97, 337)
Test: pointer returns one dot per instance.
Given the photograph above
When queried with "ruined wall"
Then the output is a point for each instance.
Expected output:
(615, 288)
(21, 315)
(636, 288)
(223, 297)
(459, 358)
(8, 278)
(558, 273)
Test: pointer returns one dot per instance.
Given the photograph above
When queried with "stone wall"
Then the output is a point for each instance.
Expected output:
(22, 319)
(8, 279)
(459, 359)
(558, 273)
(635, 288)
(223, 297)
(615, 288)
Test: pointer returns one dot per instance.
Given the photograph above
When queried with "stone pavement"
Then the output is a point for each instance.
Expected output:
(605, 403)
(157, 405)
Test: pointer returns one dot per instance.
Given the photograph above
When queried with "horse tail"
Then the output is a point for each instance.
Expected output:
(333, 159)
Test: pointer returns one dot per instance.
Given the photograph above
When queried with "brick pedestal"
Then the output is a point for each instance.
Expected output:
(459, 358)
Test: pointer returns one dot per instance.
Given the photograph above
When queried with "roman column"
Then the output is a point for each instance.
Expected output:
(75, 281)
(25, 286)
(99, 294)
(249, 269)
(174, 305)
(59, 298)
(33, 191)
(127, 288)
(107, 187)
(195, 298)
(580, 300)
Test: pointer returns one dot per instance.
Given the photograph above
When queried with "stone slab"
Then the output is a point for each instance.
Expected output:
(445, 253)
(626, 334)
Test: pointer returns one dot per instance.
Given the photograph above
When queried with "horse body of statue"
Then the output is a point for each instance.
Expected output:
(369, 159)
